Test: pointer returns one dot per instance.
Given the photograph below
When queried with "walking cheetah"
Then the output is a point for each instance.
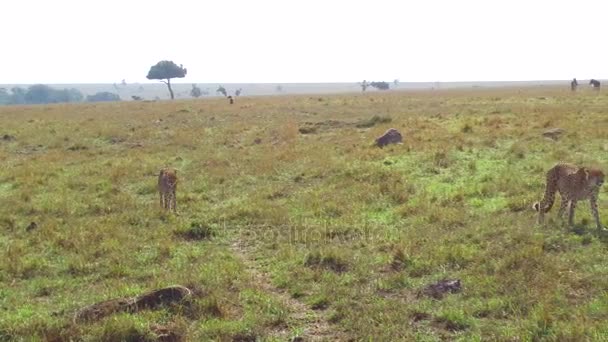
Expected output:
(167, 184)
(574, 184)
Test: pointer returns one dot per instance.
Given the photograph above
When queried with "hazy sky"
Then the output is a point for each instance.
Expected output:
(90, 41)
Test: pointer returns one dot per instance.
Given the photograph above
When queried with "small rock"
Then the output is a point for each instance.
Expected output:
(149, 300)
(391, 136)
(438, 289)
(553, 133)
(31, 226)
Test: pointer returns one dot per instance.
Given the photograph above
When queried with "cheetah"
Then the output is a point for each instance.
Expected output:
(574, 184)
(167, 184)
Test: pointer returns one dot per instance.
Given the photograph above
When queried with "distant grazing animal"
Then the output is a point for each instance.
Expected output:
(595, 84)
(573, 84)
(167, 184)
(574, 184)
(391, 136)
(231, 99)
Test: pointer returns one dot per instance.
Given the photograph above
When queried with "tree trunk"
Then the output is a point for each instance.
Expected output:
(170, 90)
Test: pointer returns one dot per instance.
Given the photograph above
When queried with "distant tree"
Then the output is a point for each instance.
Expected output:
(74, 95)
(380, 85)
(124, 82)
(40, 93)
(221, 90)
(5, 97)
(238, 92)
(18, 95)
(103, 96)
(279, 88)
(164, 71)
(136, 98)
(396, 82)
(196, 91)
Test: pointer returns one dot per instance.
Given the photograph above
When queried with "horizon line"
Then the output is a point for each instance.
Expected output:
(308, 82)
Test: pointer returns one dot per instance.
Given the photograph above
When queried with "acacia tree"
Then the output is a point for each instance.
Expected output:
(165, 71)
(222, 90)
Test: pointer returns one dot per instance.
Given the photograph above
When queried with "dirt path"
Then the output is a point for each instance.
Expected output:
(314, 324)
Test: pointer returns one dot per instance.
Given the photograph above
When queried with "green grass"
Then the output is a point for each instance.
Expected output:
(351, 231)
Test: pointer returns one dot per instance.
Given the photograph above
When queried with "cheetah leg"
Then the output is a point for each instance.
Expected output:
(562, 208)
(595, 212)
(162, 202)
(571, 213)
(174, 197)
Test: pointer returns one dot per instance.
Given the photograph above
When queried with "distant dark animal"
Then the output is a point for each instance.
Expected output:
(231, 99)
(364, 85)
(391, 136)
(380, 85)
(573, 84)
(595, 84)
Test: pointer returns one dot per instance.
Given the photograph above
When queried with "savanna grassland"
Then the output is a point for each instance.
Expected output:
(292, 224)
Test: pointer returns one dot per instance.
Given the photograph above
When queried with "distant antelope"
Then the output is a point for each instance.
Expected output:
(573, 84)
(595, 84)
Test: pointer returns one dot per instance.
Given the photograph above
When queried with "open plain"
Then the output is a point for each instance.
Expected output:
(292, 225)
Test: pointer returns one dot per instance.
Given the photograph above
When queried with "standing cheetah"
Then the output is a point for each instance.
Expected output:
(167, 184)
(574, 184)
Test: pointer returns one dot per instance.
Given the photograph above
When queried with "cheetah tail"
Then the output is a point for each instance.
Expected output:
(549, 197)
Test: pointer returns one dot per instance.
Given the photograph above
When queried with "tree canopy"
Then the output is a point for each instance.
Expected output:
(166, 70)
(222, 90)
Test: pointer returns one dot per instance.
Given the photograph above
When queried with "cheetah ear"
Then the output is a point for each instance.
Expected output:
(583, 173)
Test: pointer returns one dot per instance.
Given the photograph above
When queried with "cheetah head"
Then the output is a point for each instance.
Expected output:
(592, 177)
